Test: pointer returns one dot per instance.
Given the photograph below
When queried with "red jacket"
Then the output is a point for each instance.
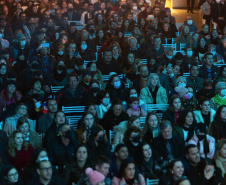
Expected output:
(21, 159)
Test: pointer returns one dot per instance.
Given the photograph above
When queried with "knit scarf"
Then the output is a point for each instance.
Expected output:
(221, 163)
(104, 109)
(219, 100)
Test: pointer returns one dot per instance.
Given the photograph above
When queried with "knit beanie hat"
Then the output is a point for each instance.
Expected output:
(181, 91)
(95, 177)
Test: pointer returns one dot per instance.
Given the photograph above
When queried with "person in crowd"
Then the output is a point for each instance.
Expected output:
(46, 120)
(203, 112)
(218, 99)
(59, 75)
(153, 93)
(120, 153)
(216, 128)
(29, 172)
(222, 47)
(191, 161)
(61, 150)
(88, 121)
(36, 91)
(193, 80)
(128, 173)
(205, 142)
(144, 161)
(73, 94)
(52, 132)
(9, 95)
(75, 169)
(167, 145)
(132, 139)
(141, 81)
(45, 175)
(134, 108)
(95, 177)
(108, 65)
(97, 145)
(172, 113)
(11, 122)
(183, 181)
(101, 164)
(95, 73)
(184, 37)
(174, 173)
(103, 103)
(221, 75)
(185, 125)
(120, 129)
(208, 70)
(209, 173)
(201, 48)
(151, 127)
(116, 88)
(189, 21)
(220, 155)
(207, 91)
(19, 152)
(113, 116)
(11, 175)
(29, 136)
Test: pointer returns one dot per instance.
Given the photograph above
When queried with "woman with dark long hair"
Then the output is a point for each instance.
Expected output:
(217, 128)
(9, 95)
(203, 112)
(75, 169)
(97, 144)
(11, 176)
(185, 125)
(174, 173)
(175, 107)
(209, 173)
(128, 174)
(144, 160)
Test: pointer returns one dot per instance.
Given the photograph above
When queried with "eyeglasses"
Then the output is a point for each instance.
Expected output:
(47, 168)
(13, 175)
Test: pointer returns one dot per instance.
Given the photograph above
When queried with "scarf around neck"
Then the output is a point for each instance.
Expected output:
(219, 100)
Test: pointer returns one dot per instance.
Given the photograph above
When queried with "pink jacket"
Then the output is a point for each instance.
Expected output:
(194, 140)
(138, 112)
(117, 181)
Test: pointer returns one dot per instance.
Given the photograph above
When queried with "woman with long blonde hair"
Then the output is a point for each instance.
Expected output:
(19, 152)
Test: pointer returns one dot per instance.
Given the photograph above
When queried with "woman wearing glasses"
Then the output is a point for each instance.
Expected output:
(11, 175)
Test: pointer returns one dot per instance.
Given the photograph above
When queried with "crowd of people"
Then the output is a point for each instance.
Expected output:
(111, 58)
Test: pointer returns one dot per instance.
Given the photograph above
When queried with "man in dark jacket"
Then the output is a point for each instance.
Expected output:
(166, 58)
(191, 162)
(107, 65)
(46, 120)
(208, 70)
(73, 94)
(45, 175)
(193, 80)
(166, 145)
(61, 150)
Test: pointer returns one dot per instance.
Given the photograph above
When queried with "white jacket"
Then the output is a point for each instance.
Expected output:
(199, 118)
